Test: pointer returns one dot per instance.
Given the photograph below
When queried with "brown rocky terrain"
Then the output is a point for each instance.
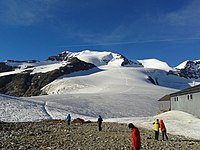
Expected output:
(55, 134)
(27, 84)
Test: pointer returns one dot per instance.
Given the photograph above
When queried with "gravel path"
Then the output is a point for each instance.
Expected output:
(55, 134)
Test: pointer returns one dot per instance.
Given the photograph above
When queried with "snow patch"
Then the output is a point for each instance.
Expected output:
(155, 63)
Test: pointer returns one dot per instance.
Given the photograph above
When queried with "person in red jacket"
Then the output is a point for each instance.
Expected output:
(163, 129)
(135, 138)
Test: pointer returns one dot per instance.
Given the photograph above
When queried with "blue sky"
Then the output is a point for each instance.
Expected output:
(168, 30)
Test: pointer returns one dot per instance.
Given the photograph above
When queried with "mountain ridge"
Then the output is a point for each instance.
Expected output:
(23, 74)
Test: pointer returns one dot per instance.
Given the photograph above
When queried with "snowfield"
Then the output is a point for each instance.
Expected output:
(17, 109)
(20, 110)
(156, 64)
(118, 94)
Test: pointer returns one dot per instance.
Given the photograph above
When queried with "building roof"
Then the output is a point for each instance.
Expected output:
(165, 98)
(194, 89)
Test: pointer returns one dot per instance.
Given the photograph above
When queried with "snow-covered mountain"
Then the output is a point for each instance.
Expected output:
(71, 72)
(96, 58)
(188, 69)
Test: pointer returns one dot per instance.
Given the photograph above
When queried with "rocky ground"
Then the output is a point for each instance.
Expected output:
(55, 134)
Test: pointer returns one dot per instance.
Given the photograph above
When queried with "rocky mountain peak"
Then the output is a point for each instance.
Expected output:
(64, 56)
(4, 67)
(188, 69)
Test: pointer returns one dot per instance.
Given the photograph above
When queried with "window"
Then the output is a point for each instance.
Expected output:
(189, 96)
(175, 99)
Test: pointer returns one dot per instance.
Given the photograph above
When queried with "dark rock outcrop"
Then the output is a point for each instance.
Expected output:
(64, 56)
(22, 61)
(190, 71)
(78, 121)
(129, 62)
(153, 81)
(4, 67)
(15, 85)
(27, 84)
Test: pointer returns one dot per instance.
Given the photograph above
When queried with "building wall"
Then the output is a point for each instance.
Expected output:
(164, 106)
(189, 103)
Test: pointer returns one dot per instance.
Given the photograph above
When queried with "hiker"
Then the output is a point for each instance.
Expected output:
(163, 130)
(135, 137)
(100, 120)
(156, 127)
(68, 119)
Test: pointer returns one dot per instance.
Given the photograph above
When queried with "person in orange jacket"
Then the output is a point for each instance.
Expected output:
(135, 137)
(163, 129)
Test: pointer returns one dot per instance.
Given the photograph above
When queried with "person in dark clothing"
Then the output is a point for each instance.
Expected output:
(100, 120)
(68, 119)
(135, 137)
(156, 127)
